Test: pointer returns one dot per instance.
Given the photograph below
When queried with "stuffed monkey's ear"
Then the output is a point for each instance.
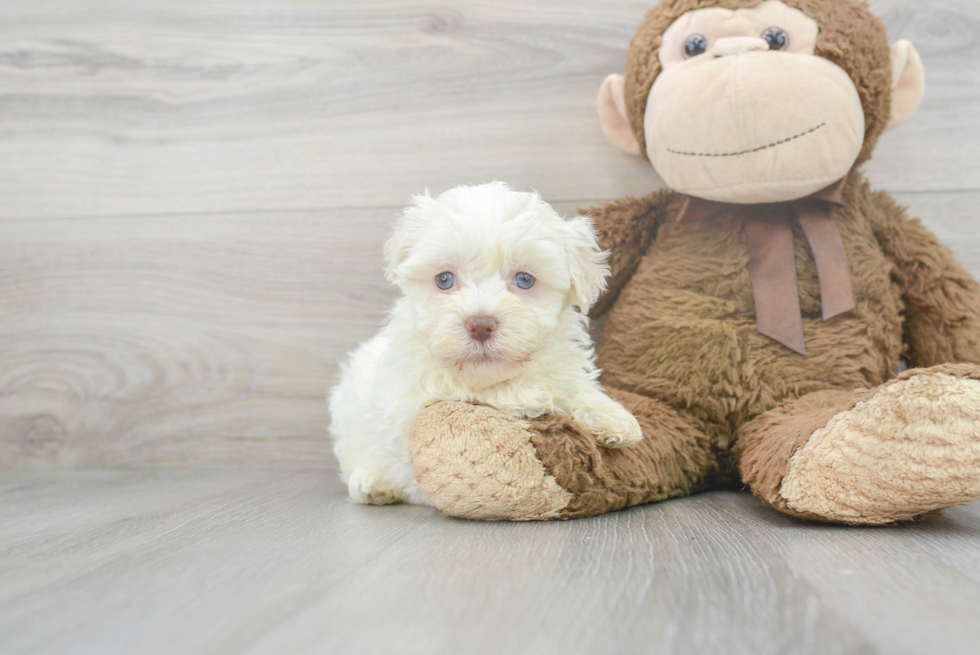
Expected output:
(908, 82)
(612, 115)
(586, 263)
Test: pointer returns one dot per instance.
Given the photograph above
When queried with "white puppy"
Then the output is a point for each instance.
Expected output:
(496, 287)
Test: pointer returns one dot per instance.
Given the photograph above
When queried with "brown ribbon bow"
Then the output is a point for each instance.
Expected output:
(772, 264)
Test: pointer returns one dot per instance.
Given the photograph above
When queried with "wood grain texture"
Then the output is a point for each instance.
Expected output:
(195, 194)
(279, 562)
(111, 107)
(195, 340)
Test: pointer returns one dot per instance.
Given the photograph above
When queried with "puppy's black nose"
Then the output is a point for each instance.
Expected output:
(481, 328)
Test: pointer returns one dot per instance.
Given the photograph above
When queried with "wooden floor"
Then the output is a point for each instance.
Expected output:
(278, 562)
(193, 198)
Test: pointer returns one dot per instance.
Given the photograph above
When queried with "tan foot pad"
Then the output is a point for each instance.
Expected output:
(474, 462)
(912, 448)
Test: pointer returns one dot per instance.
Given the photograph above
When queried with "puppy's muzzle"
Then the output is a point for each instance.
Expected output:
(481, 328)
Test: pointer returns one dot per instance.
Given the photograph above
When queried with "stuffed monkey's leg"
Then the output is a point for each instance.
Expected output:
(894, 453)
(475, 462)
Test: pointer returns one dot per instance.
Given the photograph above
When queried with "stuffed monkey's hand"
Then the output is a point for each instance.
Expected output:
(612, 425)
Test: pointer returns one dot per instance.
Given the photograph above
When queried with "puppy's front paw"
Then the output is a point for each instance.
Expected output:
(612, 425)
(369, 487)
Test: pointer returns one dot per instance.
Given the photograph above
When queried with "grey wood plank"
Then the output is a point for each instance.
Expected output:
(669, 578)
(176, 562)
(901, 162)
(252, 561)
(194, 340)
(113, 108)
(211, 339)
(896, 582)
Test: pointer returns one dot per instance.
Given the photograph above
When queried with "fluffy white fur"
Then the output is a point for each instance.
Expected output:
(539, 360)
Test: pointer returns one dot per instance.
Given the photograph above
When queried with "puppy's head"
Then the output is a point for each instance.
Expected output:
(489, 272)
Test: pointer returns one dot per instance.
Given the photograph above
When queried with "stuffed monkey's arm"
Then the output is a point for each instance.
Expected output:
(942, 323)
(626, 229)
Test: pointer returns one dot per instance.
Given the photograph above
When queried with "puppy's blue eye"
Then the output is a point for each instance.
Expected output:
(446, 281)
(524, 280)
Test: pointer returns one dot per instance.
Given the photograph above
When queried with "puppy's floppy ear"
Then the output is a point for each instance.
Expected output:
(586, 263)
(408, 227)
(396, 249)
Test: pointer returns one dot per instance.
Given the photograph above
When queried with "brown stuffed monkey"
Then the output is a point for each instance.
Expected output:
(759, 310)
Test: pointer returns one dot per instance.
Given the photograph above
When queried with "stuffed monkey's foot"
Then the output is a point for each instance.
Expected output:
(898, 452)
(474, 462)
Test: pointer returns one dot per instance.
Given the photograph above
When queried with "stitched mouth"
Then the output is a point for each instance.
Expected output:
(747, 152)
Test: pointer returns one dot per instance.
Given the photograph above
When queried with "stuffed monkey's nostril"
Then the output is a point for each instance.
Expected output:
(481, 328)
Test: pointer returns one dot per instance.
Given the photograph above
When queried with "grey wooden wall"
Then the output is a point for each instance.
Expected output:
(193, 195)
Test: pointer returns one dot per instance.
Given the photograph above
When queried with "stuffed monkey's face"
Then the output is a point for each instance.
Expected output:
(744, 112)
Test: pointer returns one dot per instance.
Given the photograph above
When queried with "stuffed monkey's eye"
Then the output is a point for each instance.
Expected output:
(524, 280)
(446, 281)
(776, 37)
(695, 45)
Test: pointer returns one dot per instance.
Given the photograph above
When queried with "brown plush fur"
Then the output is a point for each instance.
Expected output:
(684, 328)
(768, 443)
(673, 460)
(719, 402)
